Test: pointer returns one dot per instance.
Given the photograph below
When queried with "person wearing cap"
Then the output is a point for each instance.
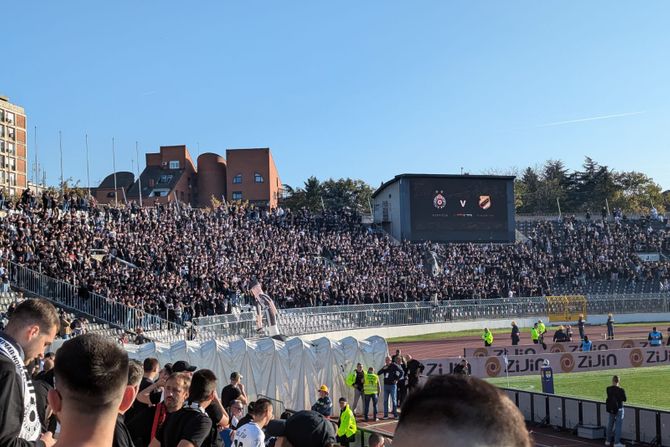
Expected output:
(183, 366)
(264, 304)
(371, 391)
(233, 391)
(324, 404)
(346, 425)
(302, 429)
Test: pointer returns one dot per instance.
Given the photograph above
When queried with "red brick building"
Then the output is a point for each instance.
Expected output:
(247, 174)
(253, 176)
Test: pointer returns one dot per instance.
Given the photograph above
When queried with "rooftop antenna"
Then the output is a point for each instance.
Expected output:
(139, 173)
(88, 172)
(116, 195)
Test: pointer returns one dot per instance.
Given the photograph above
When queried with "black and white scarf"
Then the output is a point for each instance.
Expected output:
(30, 422)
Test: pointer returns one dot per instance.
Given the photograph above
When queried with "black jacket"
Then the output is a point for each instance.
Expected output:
(11, 409)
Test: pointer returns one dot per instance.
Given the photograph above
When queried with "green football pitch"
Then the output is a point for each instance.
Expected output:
(645, 387)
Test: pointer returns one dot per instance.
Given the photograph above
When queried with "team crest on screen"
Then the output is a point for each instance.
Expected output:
(485, 202)
(439, 201)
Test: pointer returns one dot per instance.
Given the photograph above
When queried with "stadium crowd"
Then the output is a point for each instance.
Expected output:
(187, 262)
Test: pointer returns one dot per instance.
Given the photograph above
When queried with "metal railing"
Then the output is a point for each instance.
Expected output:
(335, 318)
(310, 320)
(96, 306)
(639, 424)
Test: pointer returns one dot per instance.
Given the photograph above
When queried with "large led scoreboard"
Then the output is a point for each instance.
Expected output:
(447, 208)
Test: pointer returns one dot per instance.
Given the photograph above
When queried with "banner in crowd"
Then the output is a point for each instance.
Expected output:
(561, 362)
(573, 346)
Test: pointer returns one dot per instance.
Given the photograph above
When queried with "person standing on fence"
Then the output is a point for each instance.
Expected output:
(610, 327)
(616, 396)
(371, 390)
(655, 338)
(487, 337)
(580, 326)
(346, 425)
(392, 374)
(264, 305)
(516, 334)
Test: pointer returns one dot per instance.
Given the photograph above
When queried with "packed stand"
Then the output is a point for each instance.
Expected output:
(181, 262)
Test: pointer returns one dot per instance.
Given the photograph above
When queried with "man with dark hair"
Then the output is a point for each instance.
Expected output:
(91, 376)
(140, 418)
(616, 396)
(122, 436)
(190, 425)
(233, 391)
(456, 410)
(392, 374)
(32, 326)
(376, 440)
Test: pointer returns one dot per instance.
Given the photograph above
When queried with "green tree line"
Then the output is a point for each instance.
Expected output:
(539, 190)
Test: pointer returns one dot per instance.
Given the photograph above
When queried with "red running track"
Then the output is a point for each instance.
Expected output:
(453, 347)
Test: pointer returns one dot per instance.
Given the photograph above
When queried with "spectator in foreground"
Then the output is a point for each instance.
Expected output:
(454, 410)
(324, 404)
(251, 434)
(346, 424)
(190, 425)
(376, 440)
(176, 391)
(303, 429)
(616, 396)
(91, 375)
(233, 391)
(122, 436)
(31, 327)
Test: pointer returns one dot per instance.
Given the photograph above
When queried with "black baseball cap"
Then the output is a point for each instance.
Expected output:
(303, 429)
(182, 365)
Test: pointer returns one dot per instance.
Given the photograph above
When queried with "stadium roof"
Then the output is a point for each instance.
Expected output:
(399, 176)
(123, 180)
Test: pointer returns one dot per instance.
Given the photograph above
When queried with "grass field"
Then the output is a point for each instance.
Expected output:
(504, 331)
(644, 386)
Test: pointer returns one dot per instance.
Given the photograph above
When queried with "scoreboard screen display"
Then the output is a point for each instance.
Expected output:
(461, 209)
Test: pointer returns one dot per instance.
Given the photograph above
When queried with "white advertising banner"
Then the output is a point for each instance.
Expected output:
(573, 346)
(561, 362)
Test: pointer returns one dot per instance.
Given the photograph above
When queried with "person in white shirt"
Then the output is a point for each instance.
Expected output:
(251, 434)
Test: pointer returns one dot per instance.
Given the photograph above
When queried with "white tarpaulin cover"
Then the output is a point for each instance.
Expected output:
(290, 372)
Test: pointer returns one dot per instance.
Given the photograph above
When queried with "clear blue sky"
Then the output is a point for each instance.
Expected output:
(362, 89)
